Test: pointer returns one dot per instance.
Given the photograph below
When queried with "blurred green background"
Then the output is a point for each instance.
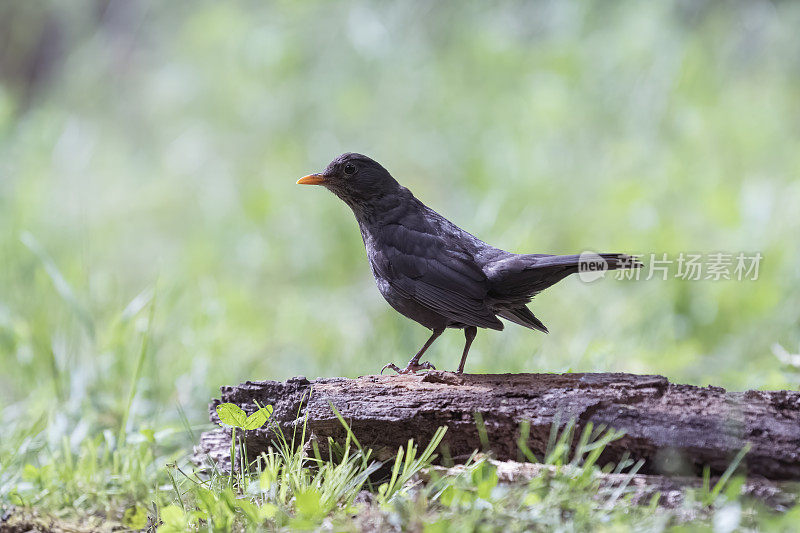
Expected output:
(152, 148)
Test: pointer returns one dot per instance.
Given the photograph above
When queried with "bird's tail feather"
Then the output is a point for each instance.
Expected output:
(517, 283)
(523, 317)
(613, 261)
(523, 276)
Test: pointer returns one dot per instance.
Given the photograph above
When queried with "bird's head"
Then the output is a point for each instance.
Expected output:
(356, 179)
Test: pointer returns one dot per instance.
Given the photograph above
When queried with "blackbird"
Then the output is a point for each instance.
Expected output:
(432, 271)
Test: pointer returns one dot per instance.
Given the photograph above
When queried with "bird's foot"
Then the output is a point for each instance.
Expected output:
(411, 368)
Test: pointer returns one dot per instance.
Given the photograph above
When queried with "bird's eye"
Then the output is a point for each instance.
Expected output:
(349, 169)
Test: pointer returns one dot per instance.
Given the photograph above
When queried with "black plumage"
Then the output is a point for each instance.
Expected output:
(432, 271)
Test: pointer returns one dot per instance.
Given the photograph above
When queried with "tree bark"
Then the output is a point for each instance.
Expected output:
(675, 429)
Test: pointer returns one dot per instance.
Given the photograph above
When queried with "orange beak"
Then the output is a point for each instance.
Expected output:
(312, 179)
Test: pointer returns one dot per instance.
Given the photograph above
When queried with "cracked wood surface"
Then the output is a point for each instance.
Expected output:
(676, 429)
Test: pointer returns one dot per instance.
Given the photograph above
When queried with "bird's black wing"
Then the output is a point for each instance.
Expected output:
(436, 272)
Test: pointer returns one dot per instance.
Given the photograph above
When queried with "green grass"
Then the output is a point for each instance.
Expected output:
(287, 489)
(153, 245)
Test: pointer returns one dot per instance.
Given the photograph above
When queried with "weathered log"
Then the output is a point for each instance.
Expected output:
(640, 488)
(675, 429)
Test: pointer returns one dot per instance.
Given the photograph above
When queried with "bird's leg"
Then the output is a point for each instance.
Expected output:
(469, 333)
(414, 364)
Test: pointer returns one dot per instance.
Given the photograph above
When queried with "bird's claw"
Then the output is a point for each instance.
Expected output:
(392, 366)
(411, 368)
